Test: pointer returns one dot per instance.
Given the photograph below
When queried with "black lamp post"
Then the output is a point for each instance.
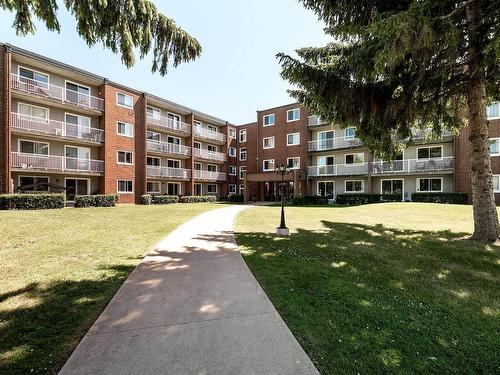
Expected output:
(282, 170)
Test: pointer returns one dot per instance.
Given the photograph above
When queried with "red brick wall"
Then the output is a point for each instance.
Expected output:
(5, 184)
(232, 160)
(189, 119)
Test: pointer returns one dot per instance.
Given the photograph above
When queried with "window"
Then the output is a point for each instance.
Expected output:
(173, 140)
(293, 115)
(172, 163)
(197, 166)
(243, 154)
(125, 129)
(212, 128)
(153, 136)
(269, 120)
(293, 162)
(495, 146)
(77, 125)
(232, 133)
(293, 139)
(197, 145)
(268, 142)
(125, 186)
(392, 186)
(152, 112)
(212, 188)
(124, 157)
(325, 140)
(31, 183)
(243, 135)
(493, 111)
(152, 161)
(77, 94)
(33, 111)
(430, 152)
(232, 170)
(212, 148)
(211, 168)
(232, 152)
(354, 186)
(243, 171)
(153, 187)
(326, 189)
(496, 183)
(349, 133)
(430, 184)
(242, 189)
(173, 188)
(232, 189)
(354, 158)
(198, 189)
(268, 165)
(124, 100)
(32, 147)
(41, 79)
(173, 119)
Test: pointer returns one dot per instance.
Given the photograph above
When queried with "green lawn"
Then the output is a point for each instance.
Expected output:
(393, 288)
(59, 269)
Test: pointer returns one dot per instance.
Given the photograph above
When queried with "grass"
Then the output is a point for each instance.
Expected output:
(381, 289)
(59, 269)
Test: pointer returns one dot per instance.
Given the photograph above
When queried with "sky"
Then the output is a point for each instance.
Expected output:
(237, 73)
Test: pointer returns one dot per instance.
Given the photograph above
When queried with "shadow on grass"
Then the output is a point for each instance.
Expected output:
(371, 299)
(39, 336)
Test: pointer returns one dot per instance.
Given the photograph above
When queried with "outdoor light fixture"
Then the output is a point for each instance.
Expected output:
(282, 170)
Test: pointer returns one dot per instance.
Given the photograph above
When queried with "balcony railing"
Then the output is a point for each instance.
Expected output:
(47, 90)
(201, 132)
(333, 144)
(209, 155)
(178, 173)
(56, 128)
(420, 134)
(315, 121)
(168, 148)
(209, 176)
(338, 170)
(169, 124)
(445, 164)
(51, 163)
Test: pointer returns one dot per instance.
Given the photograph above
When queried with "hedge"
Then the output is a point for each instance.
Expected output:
(451, 198)
(148, 199)
(96, 200)
(199, 199)
(31, 201)
(310, 200)
(357, 199)
(235, 198)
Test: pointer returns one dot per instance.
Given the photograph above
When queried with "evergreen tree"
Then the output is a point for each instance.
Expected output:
(121, 25)
(396, 66)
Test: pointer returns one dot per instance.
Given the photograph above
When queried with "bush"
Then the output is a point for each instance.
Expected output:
(235, 198)
(199, 199)
(450, 198)
(357, 199)
(164, 199)
(109, 200)
(310, 200)
(31, 201)
(392, 197)
(146, 199)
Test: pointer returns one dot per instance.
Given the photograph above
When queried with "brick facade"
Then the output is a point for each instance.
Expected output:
(5, 137)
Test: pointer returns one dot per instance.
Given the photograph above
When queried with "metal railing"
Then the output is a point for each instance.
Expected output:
(47, 90)
(55, 163)
(168, 148)
(420, 134)
(209, 155)
(178, 173)
(169, 124)
(413, 165)
(338, 170)
(333, 143)
(56, 128)
(209, 176)
(208, 134)
(315, 121)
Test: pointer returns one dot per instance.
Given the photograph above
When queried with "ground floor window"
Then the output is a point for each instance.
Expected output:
(293, 163)
(392, 186)
(496, 183)
(242, 189)
(354, 186)
(153, 187)
(29, 183)
(212, 188)
(232, 189)
(326, 189)
(125, 186)
(425, 185)
(198, 189)
(173, 188)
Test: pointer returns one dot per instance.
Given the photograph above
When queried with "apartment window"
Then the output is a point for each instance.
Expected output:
(125, 186)
(243, 171)
(124, 100)
(125, 129)
(173, 140)
(125, 157)
(152, 161)
(41, 79)
(268, 142)
(268, 120)
(430, 152)
(293, 162)
(77, 94)
(197, 145)
(33, 111)
(232, 152)
(232, 133)
(358, 158)
(496, 183)
(212, 128)
(212, 188)
(428, 185)
(326, 189)
(78, 124)
(293, 115)
(173, 119)
(33, 184)
(211, 168)
(152, 112)
(232, 170)
(354, 186)
(293, 139)
(242, 189)
(268, 165)
(392, 186)
(232, 189)
(153, 187)
(172, 163)
(173, 188)
(212, 148)
(197, 166)
(153, 136)
(32, 147)
(198, 189)
(493, 111)
(243, 154)
(243, 135)
(495, 146)
(349, 133)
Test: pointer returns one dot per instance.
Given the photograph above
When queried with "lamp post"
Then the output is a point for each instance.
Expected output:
(282, 170)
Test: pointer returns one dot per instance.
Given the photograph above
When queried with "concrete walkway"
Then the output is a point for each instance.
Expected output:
(191, 307)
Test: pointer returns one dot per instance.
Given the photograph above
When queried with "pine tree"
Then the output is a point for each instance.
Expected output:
(396, 66)
(121, 25)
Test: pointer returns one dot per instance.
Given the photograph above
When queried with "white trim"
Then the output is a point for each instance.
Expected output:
(498, 177)
(76, 178)
(124, 163)
(213, 192)
(345, 133)
(232, 130)
(242, 132)
(29, 176)
(201, 188)
(78, 148)
(125, 123)
(197, 163)
(493, 118)
(235, 189)
(392, 187)
(417, 187)
(153, 108)
(325, 156)
(152, 132)
(243, 168)
(35, 106)
(153, 182)
(34, 141)
(497, 140)
(354, 191)
(176, 160)
(264, 120)
(197, 143)
(233, 152)
(212, 165)
(77, 84)
(293, 157)
(173, 137)
(293, 144)
(264, 142)
(216, 148)
(246, 155)
(293, 110)
(235, 170)
(429, 147)
(176, 115)
(124, 192)
(122, 105)
(79, 116)
(264, 163)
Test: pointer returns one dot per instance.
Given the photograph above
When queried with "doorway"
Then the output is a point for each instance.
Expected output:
(76, 186)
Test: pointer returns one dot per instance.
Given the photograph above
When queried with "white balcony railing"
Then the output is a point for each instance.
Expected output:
(420, 134)
(169, 124)
(333, 144)
(56, 128)
(178, 173)
(338, 170)
(51, 163)
(168, 148)
(209, 176)
(315, 121)
(47, 90)
(445, 164)
(201, 132)
(209, 155)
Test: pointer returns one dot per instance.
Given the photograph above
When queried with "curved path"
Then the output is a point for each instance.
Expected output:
(191, 306)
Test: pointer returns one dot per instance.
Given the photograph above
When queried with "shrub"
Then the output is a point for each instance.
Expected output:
(164, 199)
(199, 199)
(450, 198)
(235, 198)
(357, 199)
(31, 201)
(392, 197)
(96, 200)
(146, 199)
(310, 200)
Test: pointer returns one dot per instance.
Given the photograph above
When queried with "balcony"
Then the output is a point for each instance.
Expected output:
(208, 134)
(315, 121)
(168, 148)
(333, 144)
(169, 124)
(338, 170)
(209, 176)
(52, 128)
(166, 172)
(41, 163)
(438, 165)
(421, 134)
(57, 93)
(209, 155)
